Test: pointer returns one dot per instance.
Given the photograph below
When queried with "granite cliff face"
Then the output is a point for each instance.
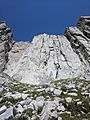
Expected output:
(51, 57)
(47, 57)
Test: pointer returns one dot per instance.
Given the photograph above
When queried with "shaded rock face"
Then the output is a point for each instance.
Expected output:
(6, 41)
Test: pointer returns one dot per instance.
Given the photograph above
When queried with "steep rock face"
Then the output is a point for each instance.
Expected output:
(15, 54)
(6, 41)
(81, 46)
(51, 57)
(48, 58)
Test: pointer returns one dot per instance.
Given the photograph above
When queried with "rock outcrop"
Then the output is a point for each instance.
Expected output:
(6, 41)
(84, 25)
(51, 57)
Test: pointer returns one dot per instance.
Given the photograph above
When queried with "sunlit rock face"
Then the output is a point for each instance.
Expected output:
(51, 57)
(6, 42)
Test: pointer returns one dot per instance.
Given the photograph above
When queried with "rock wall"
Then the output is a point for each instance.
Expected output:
(54, 57)
(6, 41)
(15, 54)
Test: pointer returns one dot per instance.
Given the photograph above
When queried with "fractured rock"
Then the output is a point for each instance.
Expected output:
(6, 42)
(84, 25)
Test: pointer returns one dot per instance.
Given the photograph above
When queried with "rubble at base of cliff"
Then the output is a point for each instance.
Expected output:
(60, 100)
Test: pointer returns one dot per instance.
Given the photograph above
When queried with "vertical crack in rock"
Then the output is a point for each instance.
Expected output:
(56, 62)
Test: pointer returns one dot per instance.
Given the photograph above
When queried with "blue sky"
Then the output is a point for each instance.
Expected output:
(27, 18)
